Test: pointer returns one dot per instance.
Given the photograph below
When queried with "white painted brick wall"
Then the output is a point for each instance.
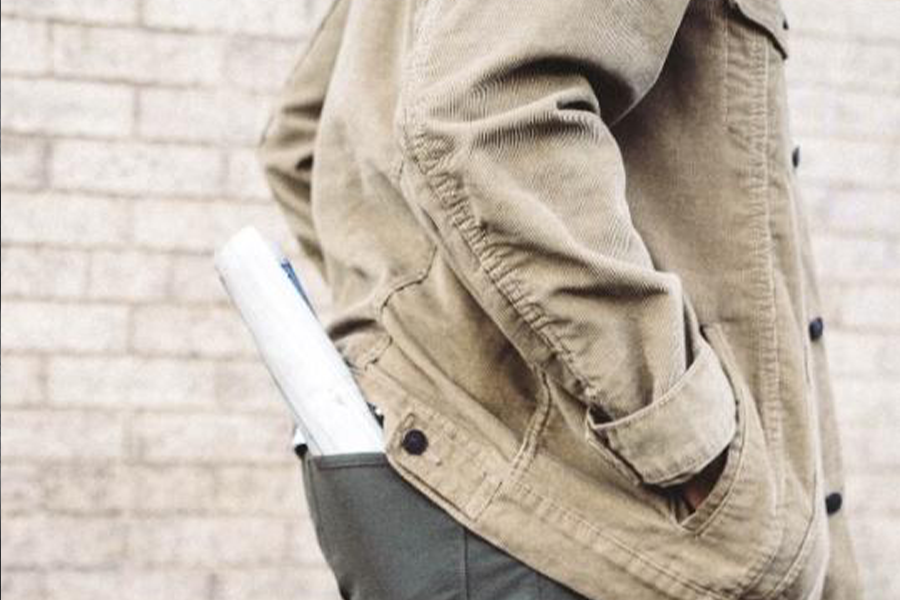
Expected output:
(144, 451)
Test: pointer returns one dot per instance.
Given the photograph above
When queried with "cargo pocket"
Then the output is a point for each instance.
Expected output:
(382, 538)
(742, 502)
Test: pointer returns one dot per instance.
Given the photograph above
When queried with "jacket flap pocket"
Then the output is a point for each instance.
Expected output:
(768, 15)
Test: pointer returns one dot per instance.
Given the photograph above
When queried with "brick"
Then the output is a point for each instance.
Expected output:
(47, 326)
(859, 498)
(243, 385)
(86, 488)
(23, 164)
(194, 279)
(22, 379)
(875, 549)
(128, 275)
(852, 210)
(22, 491)
(857, 258)
(75, 542)
(200, 115)
(816, 111)
(97, 11)
(276, 491)
(66, 107)
(867, 411)
(204, 542)
(858, 354)
(293, 581)
(24, 47)
(22, 585)
(69, 219)
(260, 64)
(68, 435)
(843, 64)
(138, 56)
(869, 305)
(126, 583)
(195, 331)
(169, 489)
(200, 226)
(868, 19)
(245, 176)
(201, 438)
(43, 273)
(129, 381)
(867, 403)
(135, 168)
(837, 161)
(232, 16)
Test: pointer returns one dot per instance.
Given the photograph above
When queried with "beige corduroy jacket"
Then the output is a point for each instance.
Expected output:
(567, 250)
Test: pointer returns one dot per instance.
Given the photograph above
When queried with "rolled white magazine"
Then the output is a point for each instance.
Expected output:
(330, 413)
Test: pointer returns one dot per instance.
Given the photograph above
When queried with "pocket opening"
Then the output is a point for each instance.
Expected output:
(705, 514)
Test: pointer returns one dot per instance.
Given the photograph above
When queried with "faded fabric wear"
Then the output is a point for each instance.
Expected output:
(569, 262)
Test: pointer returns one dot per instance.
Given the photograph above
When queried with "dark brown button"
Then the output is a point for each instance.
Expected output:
(784, 24)
(795, 157)
(414, 441)
(833, 503)
(816, 327)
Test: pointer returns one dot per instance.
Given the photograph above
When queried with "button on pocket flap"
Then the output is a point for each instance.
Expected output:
(768, 15)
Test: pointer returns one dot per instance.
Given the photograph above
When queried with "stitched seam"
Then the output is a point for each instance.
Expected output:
(405, 281)
(672, 394)
(416, 137)
(799, 560)
(464, 444)
(600, 533)
(742, 433)
(475, 238)
(765, 320)
(538, 423)
(374, 352)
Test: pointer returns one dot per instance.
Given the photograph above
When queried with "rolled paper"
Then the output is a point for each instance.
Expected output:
(330, 413)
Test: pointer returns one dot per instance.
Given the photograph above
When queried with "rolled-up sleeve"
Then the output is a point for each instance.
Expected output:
(504, 124)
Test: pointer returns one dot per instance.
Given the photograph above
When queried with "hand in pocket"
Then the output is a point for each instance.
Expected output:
(695, 490)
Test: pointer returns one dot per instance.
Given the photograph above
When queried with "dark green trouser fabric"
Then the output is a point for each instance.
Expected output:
(384, 540)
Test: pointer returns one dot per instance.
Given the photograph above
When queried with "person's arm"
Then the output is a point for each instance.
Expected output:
(511, 166)
(285, 148)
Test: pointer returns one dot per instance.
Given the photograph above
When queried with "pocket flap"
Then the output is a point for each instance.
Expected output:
(768, 15)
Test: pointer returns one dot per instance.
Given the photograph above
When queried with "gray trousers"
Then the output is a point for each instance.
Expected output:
(385, 540)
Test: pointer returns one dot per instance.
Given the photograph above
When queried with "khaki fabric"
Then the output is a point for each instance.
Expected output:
(566, 244)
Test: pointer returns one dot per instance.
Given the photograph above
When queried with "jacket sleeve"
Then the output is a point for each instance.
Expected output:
(285, 147)
(510, 164)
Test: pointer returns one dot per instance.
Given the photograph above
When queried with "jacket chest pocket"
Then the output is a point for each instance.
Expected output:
(766, 17)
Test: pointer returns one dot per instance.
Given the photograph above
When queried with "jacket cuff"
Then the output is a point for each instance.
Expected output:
(675, 437)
